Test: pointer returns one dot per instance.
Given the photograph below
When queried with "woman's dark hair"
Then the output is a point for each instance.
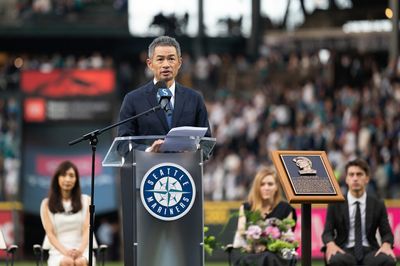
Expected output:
(55, 198)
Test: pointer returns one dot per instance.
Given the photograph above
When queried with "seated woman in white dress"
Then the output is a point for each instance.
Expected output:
(65, 218)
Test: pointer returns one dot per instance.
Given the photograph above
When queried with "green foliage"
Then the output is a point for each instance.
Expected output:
(253, 217)
(277, 245)
(210, 242)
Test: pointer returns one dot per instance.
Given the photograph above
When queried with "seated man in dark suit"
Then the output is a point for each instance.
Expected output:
(350, 229)
(187, 105)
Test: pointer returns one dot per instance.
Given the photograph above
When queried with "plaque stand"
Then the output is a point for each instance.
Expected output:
(306, 234)
(295, 170)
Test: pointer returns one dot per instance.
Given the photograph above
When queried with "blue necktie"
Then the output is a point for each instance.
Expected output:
(168, 113)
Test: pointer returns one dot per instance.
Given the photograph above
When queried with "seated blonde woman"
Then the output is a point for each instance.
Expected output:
(264, 197)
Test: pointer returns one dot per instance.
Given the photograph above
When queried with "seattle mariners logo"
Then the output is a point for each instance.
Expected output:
(167, 191)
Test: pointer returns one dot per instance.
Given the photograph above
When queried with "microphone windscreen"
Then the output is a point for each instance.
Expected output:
(163, 93)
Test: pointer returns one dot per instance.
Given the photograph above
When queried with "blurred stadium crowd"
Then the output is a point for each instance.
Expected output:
(13, 10)
(9, 148)
(346, 104)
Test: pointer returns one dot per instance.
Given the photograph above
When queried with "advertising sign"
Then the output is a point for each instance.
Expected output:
(68, 83)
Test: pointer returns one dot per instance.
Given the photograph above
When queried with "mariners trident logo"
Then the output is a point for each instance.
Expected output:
(167, 191)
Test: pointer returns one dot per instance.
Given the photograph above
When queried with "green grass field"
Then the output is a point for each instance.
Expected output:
(32, 263)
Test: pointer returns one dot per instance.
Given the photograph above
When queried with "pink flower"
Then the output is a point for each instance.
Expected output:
(273, 232)
(288, 236)
(254, 232)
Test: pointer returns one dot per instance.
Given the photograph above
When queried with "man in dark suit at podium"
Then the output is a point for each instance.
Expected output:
(187, 105)
(186, 108)
(351, 226)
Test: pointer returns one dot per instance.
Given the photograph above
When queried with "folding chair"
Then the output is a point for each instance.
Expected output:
(10, 250)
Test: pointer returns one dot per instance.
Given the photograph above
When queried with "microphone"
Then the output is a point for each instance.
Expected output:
(164, 95)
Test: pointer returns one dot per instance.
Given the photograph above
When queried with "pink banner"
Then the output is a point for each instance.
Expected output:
(318, 215)
(394, 220)
(7, 228)
(47, 164)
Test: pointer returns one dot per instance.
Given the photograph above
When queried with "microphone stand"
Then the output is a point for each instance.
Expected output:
(93, 140)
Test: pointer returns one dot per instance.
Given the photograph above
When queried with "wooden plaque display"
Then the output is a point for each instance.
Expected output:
(306, 176)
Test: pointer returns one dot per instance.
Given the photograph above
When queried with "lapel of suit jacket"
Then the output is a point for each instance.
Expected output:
(368, 214)
(151, 92)
(346, 214)
(180, 94)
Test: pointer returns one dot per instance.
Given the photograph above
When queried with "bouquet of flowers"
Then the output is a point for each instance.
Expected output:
(272, 235)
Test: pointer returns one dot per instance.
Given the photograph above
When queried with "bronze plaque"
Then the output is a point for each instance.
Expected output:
(306, 176)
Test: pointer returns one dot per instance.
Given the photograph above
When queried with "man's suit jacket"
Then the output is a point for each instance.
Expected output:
(337, 223)
(189, 110)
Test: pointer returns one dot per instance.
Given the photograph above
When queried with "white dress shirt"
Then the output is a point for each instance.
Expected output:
(352, 215)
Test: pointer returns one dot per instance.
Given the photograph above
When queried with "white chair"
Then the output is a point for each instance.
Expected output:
(10, 250)
(3, 245)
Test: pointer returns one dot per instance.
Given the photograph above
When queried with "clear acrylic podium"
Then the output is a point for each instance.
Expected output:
(149, 240)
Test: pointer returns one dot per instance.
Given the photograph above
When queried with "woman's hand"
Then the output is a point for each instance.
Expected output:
(74, 253)
(77, 253)
(69, 253)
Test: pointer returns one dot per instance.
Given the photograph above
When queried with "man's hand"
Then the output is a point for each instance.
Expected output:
(155, 147)
(386, 249)
(332, 249)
